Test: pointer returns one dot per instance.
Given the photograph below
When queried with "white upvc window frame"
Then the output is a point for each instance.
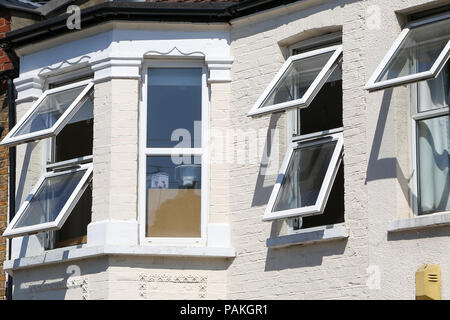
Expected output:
(11, 140)
(373, 85)
(202, 152)
(62, 216)
(313, 89)
(415, 117)
(49, 150)
(327, 184)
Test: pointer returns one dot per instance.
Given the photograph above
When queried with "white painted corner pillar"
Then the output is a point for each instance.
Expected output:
(115, 158)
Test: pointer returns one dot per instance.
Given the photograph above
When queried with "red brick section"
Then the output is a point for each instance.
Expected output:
(5, 64)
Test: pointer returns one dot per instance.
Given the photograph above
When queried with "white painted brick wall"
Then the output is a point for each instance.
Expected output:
(115, 150)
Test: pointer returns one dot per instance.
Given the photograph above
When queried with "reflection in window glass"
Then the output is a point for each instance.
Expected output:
(433, 164)
(50, 198)
(49, 111)
(173, 196)
(174, 103)
(418, 51)
(304, 176)
(297, 79)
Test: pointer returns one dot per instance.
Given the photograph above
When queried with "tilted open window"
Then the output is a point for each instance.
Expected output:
(51, 201)
(51, 112)
(306, 177)
(60, 202)
(298, 81)
(419, 53)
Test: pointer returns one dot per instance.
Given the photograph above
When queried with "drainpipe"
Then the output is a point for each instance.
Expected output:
(12, 173)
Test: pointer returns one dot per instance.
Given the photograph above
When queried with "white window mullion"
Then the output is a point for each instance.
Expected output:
(431, 114)
(173, 151)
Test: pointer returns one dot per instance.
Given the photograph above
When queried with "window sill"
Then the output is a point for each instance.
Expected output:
(84, 252)
(420, 222)
(311, 235)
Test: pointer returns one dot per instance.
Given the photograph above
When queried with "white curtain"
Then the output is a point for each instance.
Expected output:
(434, 146)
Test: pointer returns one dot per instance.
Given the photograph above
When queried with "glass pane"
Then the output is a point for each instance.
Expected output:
(174, 107)
(173, 196)
(49, 199)
(304, 176)
(297, 79)
(433, 164)
(435, 93)
(49, 111)
(418, 51)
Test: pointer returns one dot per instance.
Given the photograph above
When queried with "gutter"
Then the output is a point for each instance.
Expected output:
(141, 11)
(12, 7)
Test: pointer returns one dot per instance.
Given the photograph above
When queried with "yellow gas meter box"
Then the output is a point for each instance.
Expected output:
(428, 282)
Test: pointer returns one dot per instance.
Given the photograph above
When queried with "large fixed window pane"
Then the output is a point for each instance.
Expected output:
(173, 197)
(174, 107)
(418, 54)
(298, 81)
(434, 164)
(50, 202)
(305, 179)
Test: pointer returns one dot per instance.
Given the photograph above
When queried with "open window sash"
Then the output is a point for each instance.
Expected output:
(51, 201)
(419, 53)
(298, 81)
(306, 178)
(49, 114)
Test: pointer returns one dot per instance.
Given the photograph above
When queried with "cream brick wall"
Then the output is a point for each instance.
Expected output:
(220, 146)
(327, 270)
(115, 150)
(377, 155)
